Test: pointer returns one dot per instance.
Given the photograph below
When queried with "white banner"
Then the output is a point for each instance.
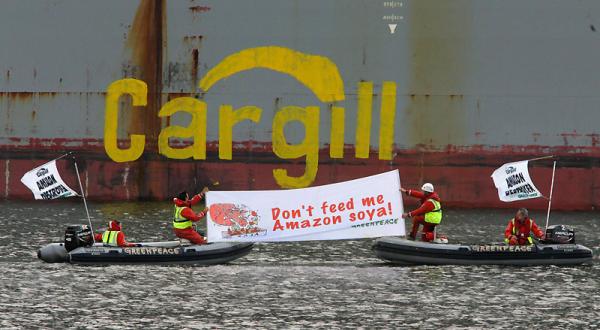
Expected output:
(513, 182)
(362, 208)
(45, 182)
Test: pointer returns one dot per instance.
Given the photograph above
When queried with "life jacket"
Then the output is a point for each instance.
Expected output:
(109, 237)
(434, 216)
(180, 222)
(516, 232)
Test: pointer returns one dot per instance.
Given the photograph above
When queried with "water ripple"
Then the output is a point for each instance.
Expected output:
(293, 285)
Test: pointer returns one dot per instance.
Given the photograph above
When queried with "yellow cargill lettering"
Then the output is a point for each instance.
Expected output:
(363, 119)
(386, 120)
(309, 147)
(317, 73)
(229, 118)
(196, 129)
(336, 147)
(139, 93)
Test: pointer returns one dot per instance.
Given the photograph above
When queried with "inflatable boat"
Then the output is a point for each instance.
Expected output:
(79, 248)
(559, 248)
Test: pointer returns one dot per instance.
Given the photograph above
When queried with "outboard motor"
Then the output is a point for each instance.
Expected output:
(560, 234)
(78, 236)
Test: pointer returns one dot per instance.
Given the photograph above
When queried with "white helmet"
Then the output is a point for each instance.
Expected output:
(428, 187)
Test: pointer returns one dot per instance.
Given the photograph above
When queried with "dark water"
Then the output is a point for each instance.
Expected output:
(314, 284)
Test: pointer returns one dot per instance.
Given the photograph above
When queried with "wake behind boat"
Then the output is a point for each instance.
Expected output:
(79, 248)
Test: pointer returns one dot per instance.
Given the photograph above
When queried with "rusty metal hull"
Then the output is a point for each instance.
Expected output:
(476, 84)
(461, 178)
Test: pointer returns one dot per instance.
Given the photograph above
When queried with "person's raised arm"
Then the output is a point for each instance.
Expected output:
(414, 193)
(196, 199)
(189, 214)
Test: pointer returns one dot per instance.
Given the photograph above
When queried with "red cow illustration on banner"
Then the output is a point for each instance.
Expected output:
(239, 218)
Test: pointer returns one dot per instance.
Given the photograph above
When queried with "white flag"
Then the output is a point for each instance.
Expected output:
(362, 208)
(513, 182)
(45, 182)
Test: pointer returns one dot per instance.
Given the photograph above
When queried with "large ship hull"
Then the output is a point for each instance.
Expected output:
(446, 92)
(460, 180)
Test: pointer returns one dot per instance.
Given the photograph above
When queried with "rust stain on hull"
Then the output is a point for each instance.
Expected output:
(199, 9)
(147, 40)
(439, 37)
(195, 67)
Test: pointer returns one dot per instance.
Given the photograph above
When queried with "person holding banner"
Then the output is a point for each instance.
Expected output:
(184, 217)
(518, 231)
(429, 214)
(113, 236)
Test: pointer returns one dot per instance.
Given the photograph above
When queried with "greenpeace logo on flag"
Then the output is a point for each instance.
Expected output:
(41, 172)
(514, 183)
(45, 182)
(510, 170)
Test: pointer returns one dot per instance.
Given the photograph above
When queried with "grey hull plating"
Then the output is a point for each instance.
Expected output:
(474, 84)
(405, 252)
(147, 253)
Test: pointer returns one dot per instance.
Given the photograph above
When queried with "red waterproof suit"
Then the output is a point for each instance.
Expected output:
(115, 226)
(190, 233)
(418, 215)
(521, 231)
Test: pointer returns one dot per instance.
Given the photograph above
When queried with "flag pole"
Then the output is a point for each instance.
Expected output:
(550, 198)
(540, 158)
(84, 201)
(63, 156)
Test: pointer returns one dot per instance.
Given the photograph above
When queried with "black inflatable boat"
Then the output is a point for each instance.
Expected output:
(79, 248)
(559, 248)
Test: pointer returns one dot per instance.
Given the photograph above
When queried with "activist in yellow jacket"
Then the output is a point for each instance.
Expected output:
(429, 214)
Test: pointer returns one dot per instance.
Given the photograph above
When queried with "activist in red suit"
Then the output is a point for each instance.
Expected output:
(113, 236)
(429, 214)
(519, 229)
(184, 217)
